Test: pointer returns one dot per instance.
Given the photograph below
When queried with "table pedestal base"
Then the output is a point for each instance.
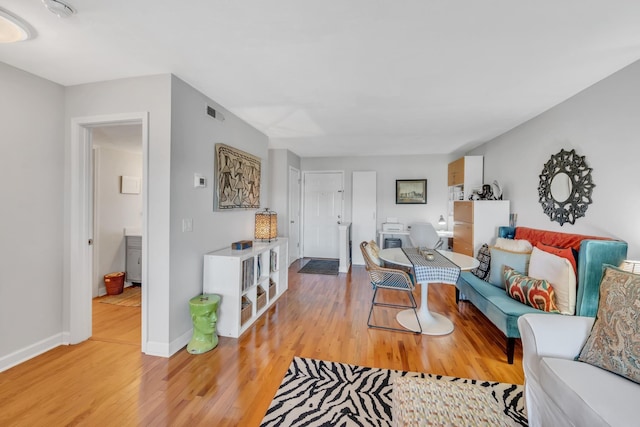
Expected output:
(434, 324)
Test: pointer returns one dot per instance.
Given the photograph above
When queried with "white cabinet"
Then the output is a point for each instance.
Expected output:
(248, 282)
(133, 259)
(477, 223)
(363, 211)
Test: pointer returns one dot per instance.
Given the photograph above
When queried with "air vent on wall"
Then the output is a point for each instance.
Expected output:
(215, 114)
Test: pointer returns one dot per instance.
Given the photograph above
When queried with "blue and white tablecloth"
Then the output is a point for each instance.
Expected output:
(439, 270)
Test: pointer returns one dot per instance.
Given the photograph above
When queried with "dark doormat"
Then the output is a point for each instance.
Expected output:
(321, 266)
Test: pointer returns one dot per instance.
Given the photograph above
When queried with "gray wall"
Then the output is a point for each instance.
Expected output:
(31, 209)
(279, 162)
(601, 123)
(153, 95)
(193, 138)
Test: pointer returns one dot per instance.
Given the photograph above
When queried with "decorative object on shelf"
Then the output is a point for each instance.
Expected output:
(497, 190)
(631, 266)
(266, 225)
(237, 177)
(565, 187)
(411, 191)
(242, 244)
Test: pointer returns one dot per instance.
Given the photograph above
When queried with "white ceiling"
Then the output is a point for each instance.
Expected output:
(340, 77)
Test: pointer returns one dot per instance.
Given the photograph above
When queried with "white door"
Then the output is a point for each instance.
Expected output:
(294, 214)
(363, 216)
(323, 193)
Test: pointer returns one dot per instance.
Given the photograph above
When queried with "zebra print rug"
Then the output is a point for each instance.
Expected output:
(320, 393)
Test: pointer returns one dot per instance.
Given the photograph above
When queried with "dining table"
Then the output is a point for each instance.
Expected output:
(440, 267)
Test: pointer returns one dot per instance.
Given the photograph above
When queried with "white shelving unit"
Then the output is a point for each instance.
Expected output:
(248, 281)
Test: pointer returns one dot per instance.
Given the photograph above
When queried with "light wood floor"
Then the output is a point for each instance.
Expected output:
(107, 381)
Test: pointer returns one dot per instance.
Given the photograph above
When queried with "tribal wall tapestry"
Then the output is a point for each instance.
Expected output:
(237, 179)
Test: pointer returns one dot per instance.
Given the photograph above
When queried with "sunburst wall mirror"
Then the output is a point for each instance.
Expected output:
(565, 187)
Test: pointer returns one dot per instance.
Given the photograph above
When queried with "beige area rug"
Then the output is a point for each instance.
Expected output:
(130, 297)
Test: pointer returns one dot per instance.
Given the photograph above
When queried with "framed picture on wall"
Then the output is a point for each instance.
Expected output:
(237, 177)
(411, 191)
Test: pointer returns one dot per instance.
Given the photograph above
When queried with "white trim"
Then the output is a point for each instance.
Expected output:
(80, 260)
(167, 350)
(297, 250)
(31, 351)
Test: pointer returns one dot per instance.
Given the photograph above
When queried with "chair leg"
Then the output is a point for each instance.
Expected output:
(511, 345)
(413, 306)
(457, 296)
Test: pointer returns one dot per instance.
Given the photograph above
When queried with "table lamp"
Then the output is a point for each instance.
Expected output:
(266, 225)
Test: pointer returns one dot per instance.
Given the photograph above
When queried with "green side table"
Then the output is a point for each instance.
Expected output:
(204, 316)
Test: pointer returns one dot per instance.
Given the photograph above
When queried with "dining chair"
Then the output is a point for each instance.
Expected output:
(391, 279)
(424, 235)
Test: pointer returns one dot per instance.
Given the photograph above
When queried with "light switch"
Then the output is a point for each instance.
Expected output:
(187, 225)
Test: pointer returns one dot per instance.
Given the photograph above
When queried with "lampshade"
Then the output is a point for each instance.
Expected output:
(266, 225)
(441, 221)
(631, 266)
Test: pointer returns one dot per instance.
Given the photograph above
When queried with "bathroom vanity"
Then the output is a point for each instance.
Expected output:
(133, 261)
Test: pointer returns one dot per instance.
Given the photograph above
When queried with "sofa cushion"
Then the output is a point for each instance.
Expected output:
(553, 238)
(589, 396)
(494, 303)
(513, 245)
(614, 341)
(537, 293)
(484, 258)
(519, 261)
(559, 272)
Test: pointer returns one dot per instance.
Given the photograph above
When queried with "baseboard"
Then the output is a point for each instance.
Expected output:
(168, 349)
(29, 352)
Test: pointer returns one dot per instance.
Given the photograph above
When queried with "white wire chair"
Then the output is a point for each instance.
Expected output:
(388, 278)
(424, 235)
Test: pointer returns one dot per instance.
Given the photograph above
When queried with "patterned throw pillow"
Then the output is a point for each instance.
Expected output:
(484, 257)
(614, 342)
(537, 293)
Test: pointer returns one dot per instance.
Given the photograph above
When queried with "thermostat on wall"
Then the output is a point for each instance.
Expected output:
(199, 181)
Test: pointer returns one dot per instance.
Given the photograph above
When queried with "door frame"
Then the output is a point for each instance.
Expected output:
(302, 202)
(294, 253)
(79, 259)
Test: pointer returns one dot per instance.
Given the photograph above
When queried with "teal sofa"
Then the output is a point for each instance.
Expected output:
(503, 311)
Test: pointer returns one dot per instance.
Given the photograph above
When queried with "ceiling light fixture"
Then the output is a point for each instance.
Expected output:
(13, 29)
(59, 8)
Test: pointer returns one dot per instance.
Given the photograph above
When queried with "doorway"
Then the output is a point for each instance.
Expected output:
(323, 200)
(294, 214)
(117, 230)
(80, 268)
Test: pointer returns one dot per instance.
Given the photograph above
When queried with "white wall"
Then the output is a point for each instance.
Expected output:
(31, 209)
(114, 210)
(279, 162)
(390, 168)
(150, 94)
(601, 123)
(193, 138)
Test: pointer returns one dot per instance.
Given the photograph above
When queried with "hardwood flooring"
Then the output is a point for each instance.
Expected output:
(107, 380)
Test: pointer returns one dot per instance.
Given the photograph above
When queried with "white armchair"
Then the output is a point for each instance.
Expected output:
(560, 391)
